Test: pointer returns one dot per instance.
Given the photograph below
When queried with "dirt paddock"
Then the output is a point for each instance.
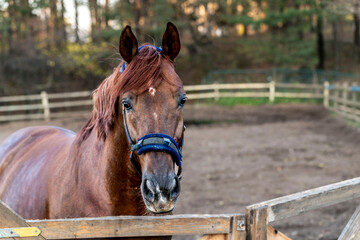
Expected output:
(234, 157)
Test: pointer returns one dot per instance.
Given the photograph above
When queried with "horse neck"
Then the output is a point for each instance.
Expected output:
(118, 179)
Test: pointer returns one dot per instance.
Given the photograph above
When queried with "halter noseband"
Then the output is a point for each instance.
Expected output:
(154, 141)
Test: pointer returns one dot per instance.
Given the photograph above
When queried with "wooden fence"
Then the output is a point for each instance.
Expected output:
(57, 105)
(254, 225)
(44, 106)
(343, 99)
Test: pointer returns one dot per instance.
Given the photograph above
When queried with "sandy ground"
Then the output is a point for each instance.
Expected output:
(251, 154)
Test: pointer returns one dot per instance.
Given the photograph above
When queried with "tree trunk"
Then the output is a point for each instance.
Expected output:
(357, 27)
(63, 25)
(137, 16)
(94, 18)
(10, 27)
(47, 27)
(28, 23)
(335, 43)
(76, 4)
(55, 23)
(107, 13)
(320, 43)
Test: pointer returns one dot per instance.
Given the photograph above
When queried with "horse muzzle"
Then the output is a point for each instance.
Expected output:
(160, 194)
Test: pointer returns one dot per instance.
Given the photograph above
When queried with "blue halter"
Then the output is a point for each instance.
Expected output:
(154, 141)
(157, 142)
(122, 68)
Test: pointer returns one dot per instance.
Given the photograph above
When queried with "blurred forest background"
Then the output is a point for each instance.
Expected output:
(42, 48)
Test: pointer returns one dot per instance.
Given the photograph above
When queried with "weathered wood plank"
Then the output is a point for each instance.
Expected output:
(352, 228)
(131, 226)
(10, 219)
(272, 89)
(300, 86)
(257, 223)
(45, 103)
(237, 231)
(70, 95)
(215, 237)
(226, 86)
(21, 117)
(193, 96)
(20, 98)
(326, 93)
(340, 110)
(298, 95)
(300, 202)
(347, 102)
(71, 103)
(243, 94)
(349, 110)
(273, 234)
(12, 108)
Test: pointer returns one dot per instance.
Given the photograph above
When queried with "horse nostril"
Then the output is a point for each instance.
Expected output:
(175, 191)
(148, 189)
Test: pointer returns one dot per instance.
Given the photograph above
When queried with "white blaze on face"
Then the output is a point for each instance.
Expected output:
(152, 91)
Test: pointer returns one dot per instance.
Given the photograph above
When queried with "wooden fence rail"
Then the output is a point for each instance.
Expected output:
(343, 99)
(254, 225)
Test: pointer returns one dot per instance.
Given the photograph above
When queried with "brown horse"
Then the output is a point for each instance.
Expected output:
(50, 172)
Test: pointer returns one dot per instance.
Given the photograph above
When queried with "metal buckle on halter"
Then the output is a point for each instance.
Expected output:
(137, 145)
(167, 141)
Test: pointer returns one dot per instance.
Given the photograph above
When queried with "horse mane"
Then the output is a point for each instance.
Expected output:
(143, 72)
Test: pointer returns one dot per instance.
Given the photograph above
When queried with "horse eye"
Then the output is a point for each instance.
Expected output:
(126, 105)
(182, 101)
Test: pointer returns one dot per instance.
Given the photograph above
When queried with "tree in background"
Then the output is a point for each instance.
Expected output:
(40, 49)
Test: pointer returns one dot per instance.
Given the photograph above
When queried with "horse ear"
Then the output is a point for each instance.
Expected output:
(171, 41)
(128, 45)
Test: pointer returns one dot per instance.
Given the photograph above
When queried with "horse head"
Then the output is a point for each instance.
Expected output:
(151, 103)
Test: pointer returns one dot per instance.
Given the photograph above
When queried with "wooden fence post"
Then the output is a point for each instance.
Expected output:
(45, 103)
(272, 91)
(352, 228)
(216, 91)
(336, 96)
(326, 94)
(257, 223)
(353, 94)
(316, 80)
(345, 91)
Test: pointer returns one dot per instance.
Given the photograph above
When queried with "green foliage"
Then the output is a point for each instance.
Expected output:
(82, 59)
(297, 100)
(273, 34)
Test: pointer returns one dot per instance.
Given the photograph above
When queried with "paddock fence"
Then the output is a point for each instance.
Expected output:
(340, 98)
(253, 225)
(344, 99)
